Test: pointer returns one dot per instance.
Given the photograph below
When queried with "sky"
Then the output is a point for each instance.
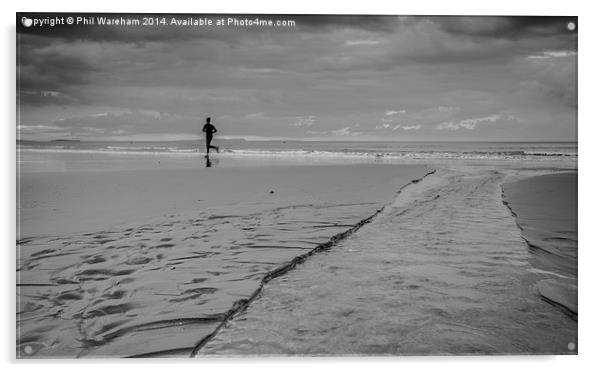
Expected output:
(347, 78)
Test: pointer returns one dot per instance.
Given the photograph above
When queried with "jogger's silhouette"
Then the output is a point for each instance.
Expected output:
(209, 129)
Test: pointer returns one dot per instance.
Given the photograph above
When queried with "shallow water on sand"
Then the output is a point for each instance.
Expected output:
(443, 270)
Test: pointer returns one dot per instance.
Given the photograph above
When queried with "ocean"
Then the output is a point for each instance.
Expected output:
(321, 149)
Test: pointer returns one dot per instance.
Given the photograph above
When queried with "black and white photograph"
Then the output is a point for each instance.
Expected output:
(204, 185)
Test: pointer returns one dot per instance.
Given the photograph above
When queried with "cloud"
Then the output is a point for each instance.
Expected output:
(38, 128)
(413, 119)
(51, 67)
(551, 77)
(341, 132)
(499, 27)
(468, 124)
(365, 22)
(446, 109)
(130, 122)
(256, 115)
(304, 121)
(462, 39)
(553, 54)
(45, 98)
(408, 127)
(393, 112)
(361, 42)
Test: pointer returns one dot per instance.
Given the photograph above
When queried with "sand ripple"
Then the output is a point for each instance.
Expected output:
(159, 288)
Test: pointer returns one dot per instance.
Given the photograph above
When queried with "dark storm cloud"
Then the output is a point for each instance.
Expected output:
(52, 70)
(507, 27)
(481, 39)
(365, 22)
(48, 75)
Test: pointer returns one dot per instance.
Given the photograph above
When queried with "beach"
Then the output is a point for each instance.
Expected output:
(324, 252)
(150, 261)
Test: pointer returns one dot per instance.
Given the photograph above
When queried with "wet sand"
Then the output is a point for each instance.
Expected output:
(150, 261)
(443, 270)
(80, 200)
(545, 208)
